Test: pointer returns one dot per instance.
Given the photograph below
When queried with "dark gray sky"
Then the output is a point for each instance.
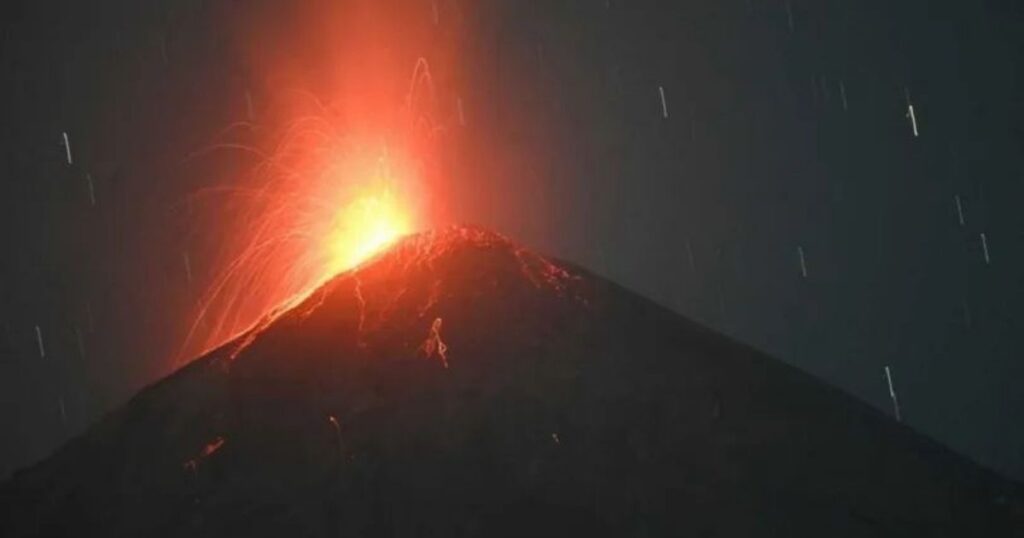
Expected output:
(787, 134)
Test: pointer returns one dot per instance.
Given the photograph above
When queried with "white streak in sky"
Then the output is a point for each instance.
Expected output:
(462, 113)
(92, 191)
(789, 15)
(664, 104)
(63, 414)
(39, 340)
(984, 248)
(67, 147)
(959, 209)
(910, 112)
(842, 94)
(437, 15)
(803, 261)
(892, 394)
(913, 119)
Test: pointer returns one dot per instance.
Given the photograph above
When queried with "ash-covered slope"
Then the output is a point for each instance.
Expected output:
(461, 385)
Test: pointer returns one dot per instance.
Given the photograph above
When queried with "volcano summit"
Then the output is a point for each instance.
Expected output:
(459, 384)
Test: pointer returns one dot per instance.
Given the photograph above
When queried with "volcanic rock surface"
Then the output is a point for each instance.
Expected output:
(459, 384)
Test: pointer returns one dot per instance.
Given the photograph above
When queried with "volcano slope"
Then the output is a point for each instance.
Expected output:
(461, 385)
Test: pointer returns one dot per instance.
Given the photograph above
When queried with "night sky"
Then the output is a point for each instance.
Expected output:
(779, 193)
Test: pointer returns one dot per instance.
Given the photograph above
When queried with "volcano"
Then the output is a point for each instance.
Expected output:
(459, 384)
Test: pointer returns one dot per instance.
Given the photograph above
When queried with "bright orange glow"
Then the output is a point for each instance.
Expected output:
(318, 206)
(363, 228)
(342, 140)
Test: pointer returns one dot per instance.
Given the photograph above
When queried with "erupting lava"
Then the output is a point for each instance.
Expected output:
(320, 205)
(373, 220)
(345, 161)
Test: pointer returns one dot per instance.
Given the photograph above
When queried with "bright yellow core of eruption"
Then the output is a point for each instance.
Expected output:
(364, 227)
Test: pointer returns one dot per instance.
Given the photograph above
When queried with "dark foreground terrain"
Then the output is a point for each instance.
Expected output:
(461, 385)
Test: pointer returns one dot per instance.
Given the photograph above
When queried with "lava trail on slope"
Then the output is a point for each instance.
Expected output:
(460, 385)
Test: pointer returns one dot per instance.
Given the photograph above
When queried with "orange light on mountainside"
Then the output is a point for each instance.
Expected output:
(343, 142)
(320, 205)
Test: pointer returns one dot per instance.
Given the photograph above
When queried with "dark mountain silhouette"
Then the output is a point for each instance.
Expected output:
(461, 385)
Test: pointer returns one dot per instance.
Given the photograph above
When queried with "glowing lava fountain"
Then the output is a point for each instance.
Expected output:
(321, 202)
(343, 152)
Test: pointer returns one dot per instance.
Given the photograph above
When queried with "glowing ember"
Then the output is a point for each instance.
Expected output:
(208, 450)
(435, 345)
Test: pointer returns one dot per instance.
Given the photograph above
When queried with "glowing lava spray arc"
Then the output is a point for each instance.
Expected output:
(318, 205)
(342, 181)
